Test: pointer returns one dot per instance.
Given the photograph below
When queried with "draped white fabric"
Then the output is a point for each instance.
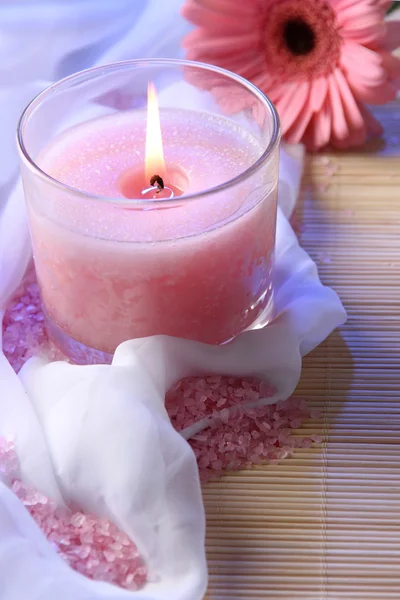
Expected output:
(99, 435)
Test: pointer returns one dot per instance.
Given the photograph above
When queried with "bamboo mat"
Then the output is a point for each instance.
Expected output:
(325, 523)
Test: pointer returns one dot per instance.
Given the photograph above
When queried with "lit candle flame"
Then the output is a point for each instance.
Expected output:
(154, 162)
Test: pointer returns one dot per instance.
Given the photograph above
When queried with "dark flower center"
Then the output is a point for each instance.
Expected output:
(299, 36)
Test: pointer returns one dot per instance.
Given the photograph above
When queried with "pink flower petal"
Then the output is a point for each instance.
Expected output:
(248, 65)
(221, 51)
(353, 116)
(350, 106)
(376, 95)
(264, 81)
(215, 22)
(292, 103)
(369, 80)
(360, 21)
(276, 92)
(321, 108)
(370, 36)
(204, 44)
(358, 15)
(362, 64)
(340, 5)
(322, 122)
(310, 135)
(242, 9)
(350, 141)
(296, 132)
(339, 126)
(319, 90)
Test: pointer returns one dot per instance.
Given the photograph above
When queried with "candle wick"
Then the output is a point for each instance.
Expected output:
(158, 182)
(157, 185)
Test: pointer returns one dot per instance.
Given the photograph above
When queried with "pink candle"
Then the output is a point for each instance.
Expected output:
(196, 266)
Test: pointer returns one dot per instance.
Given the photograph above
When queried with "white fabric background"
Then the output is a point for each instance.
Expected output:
(139, 472)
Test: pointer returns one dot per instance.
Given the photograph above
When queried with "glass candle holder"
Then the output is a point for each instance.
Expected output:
(119, 255)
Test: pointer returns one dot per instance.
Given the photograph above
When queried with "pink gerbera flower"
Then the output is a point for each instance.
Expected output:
(319, 61)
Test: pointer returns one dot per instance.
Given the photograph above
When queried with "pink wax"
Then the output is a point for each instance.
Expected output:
(114, 270)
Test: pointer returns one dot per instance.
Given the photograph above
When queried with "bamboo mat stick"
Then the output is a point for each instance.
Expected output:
(325, 523)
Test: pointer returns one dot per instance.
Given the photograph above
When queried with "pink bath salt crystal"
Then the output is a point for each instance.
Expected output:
(239, 436)
(87, 537)
(302, 404)
(200, 397)
(224, 414)
(85, 551)
(245, 438)
(109, 556)
(9, 466)
(239, 392)
(24, 333)
(200, 384)
(229, 447)
(92, 546)
(305, 443)
(77, 520)
(217, 465)
(282, 453)
(253, 395)
(315, 414)
(265, 426)
(280, 423)
(331, 169)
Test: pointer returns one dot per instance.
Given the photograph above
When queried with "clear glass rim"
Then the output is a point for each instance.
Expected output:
(143, 62)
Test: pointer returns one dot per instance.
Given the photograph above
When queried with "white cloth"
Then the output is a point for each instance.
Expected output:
(99, 435)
